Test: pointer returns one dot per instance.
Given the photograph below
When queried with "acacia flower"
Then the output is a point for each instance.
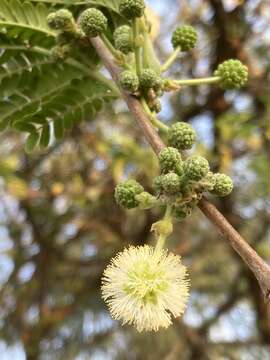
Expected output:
(145, 287)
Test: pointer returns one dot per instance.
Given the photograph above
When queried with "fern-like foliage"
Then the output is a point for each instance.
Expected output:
(109, 4)
(39, 95)
(26, 22)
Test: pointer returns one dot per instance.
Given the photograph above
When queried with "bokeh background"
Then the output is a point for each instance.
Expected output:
(59, 224)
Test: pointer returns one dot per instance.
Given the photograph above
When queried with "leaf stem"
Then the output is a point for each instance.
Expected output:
(135, 29)
(72, 62)
(170, 60)
(200, 81)
(157, 123)
(110, 47)
(162, 237)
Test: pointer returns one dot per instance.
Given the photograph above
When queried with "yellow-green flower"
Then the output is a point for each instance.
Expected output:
(145, 288)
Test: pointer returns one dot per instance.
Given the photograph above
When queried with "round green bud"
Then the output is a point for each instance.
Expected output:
(185, 37)
(149, 79)
(123, 39)
(61, 20)
(181, 136)
(233, 74)
(93, 22)
(129, 81)
(196, 168)
(171, 183)
(121, 30)
(223, 185)
(131, 9)
(125, 194)
(170, 160)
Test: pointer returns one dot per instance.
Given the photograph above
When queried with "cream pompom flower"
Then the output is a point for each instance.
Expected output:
(145, 287)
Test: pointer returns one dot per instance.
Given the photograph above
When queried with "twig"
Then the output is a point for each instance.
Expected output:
(256, 264)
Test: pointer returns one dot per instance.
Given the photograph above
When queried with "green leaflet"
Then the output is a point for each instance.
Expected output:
(110, 4)
(32, 141)
(26, 22)
(36, 93)
(39, 96)
(59, 109)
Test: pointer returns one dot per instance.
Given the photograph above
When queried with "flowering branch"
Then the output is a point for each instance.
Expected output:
(256, 264)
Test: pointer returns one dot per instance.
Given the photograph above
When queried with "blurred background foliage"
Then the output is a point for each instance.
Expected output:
(60, 225)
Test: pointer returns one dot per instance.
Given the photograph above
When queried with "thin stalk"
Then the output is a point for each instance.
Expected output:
(136, 32)
(157, 123)
(109, 45)
(72, 62)
(194, 82)
(171, 59)
(162, 238)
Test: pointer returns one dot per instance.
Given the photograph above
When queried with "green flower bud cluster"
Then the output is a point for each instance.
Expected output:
(131, 9)
(182, 136)
(170, 160)
(168, 184)
(151, 86)
(68, 33)
(129, 81)
(125, 194)
(123, 40)
(171, 183)
(184, 37)
(61, 20)
(223, 185)
(149, 79)
(182, 183)
(92, 22)
(130, 194)
(233, 74)
(196, 168)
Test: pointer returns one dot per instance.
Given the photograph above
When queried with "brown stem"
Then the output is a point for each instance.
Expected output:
(256, 264)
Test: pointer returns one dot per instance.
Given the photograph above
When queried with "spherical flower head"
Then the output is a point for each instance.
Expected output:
(233, 74)
(61, 20)
(129, 81)
(145, 288)
(171, 183)
(223, 185)
(123, 39)
(121, 30)
(131, 9)
(93, 22)
(196, 168)
(125, 194)
(149, 79)
(185, 37)
(170, 160)
(181, 136)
